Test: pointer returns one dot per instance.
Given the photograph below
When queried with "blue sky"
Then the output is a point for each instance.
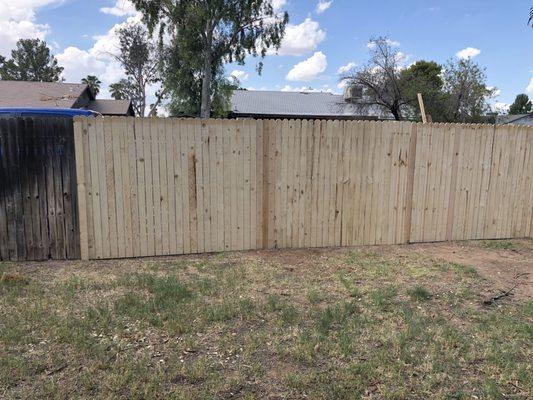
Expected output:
(323, 36)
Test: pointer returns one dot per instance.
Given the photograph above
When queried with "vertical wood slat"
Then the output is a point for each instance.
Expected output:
(80, 130)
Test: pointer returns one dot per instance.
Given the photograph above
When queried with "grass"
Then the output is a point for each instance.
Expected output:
(499, 244)
(241, 326)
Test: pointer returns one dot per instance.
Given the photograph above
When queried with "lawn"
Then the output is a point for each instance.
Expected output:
(391, 322)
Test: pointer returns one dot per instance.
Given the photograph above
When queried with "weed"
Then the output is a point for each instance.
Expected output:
(419, 293)
(383, 297)
(315, 296)
(350, 287)
(498, 244)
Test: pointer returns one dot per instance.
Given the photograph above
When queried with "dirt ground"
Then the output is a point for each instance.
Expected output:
(501, 263)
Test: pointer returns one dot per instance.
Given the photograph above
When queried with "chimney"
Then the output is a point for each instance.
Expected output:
(353, 93)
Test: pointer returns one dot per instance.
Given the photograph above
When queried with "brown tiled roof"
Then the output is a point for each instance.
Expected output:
(111, 107)
(40, 94)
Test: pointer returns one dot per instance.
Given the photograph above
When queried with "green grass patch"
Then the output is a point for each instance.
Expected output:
(419, 293)
(242, 327)
(498, 244)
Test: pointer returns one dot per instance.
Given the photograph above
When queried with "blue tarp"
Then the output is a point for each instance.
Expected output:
(49, 112)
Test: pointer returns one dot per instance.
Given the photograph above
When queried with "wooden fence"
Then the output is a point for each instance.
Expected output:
(167, 186)
(38, 197)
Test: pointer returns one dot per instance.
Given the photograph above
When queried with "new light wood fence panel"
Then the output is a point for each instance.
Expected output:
(169, 186)
(472, 182)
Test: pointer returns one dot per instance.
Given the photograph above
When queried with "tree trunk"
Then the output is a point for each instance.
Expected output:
(205, 111)
(396, 113)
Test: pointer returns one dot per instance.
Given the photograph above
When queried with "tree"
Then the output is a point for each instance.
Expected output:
(466, 92)
(530, 21)
(380, 78)
(205, 34)
(30, 61)
(121, 90)
(184, 85)
(424, 77)
(93, 82)
(140, 58)
(521, 105)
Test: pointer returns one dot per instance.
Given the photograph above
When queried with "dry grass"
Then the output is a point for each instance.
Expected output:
(379, 323)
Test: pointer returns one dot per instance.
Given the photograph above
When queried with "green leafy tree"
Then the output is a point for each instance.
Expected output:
(424, 77)
(521, 105)
(466, 93)
(205, 34)
(93, 82)
(184, 85)
(30, 61)
(121, 90)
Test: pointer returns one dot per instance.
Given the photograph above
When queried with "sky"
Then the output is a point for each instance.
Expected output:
(323, 39)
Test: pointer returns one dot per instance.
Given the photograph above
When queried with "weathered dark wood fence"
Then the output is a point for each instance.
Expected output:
(38, 197)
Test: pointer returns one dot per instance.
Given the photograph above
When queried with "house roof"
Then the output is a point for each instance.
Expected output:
(40, 94)
(511, 119)
(111, 107)
(298, 104)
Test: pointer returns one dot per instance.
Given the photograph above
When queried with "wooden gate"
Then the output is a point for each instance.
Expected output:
(38, 206)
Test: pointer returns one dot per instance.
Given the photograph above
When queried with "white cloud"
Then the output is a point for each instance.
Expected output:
(529, 88)
(301, 39)
(501, 108)
(98, 60)
(309, 69)
(122, 8)
(241, 76)
(323, 5)
(18, 21)
(469, 52)
(346, 68)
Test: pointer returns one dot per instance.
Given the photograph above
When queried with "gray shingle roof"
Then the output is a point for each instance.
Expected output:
(298, 104)
(39, 94)
(520, 119)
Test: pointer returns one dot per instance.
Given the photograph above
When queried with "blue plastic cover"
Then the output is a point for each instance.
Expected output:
(50, 112)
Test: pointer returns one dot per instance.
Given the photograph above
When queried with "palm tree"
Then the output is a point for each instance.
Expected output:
(93, 82)
(530, 21)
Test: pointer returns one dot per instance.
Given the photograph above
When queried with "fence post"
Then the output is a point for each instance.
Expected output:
(453, 185)
(79, 131)
(265, 212)
(411, 164)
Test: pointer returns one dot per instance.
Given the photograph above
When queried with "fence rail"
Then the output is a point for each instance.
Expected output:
(168, 186)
